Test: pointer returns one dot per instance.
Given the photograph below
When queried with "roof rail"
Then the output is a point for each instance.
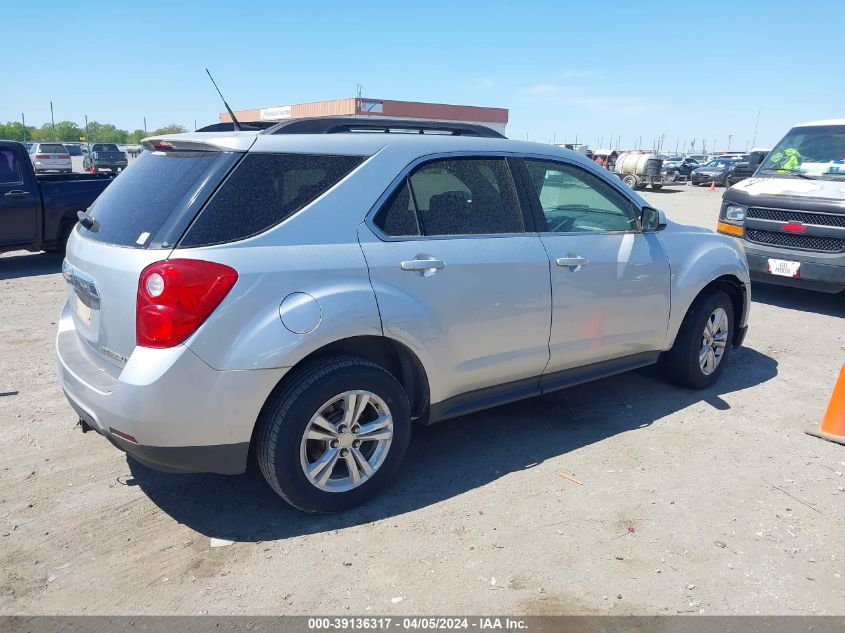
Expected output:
(339, 125)
(246, 126)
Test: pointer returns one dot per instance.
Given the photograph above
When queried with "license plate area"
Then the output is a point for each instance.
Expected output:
(84, 313)
(785, 268)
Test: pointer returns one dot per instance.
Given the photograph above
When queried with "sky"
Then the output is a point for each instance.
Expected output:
(566, 71)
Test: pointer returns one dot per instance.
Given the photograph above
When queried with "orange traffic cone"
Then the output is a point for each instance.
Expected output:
(832, 427)
(712, 185)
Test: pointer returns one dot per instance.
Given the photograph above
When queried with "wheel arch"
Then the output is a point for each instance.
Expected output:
(737, 291)
(386, 352)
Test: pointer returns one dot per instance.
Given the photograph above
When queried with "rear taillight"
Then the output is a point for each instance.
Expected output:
(42, 156)
(65, 156)
(176, 296)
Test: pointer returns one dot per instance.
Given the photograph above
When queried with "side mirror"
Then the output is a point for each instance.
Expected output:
(652, 219)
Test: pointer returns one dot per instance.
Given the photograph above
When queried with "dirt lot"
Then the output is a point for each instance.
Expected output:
(712, 502)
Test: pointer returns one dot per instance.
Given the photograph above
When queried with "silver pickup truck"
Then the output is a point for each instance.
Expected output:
(307, 293)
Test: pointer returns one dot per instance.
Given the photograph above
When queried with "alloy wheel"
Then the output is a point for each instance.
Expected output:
(346, 441)
(714, 340)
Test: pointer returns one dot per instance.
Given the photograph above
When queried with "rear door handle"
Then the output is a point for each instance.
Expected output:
(422, 264)
(16, 193)
(574, 262)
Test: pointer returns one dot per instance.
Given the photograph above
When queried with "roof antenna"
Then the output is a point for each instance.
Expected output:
(235, 123)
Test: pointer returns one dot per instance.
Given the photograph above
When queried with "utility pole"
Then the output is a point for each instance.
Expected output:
(145, 126)
(730, 136)
(756, 123)
(52, 121)
(87, 138)
(677, 140)
(23, 122)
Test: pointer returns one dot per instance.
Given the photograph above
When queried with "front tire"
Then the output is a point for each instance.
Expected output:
(703, 344)
(334, 435)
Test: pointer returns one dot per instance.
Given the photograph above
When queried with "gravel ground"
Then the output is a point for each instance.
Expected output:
(685, 502)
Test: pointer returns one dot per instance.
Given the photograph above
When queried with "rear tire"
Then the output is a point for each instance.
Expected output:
(657, 187)
(289, 444)
(630, 180)
(690, 363)
(61, 241)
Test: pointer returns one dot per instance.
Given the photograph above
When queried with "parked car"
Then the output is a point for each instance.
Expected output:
(104, 156)
(38, 211)
(790, 216)
(677, 166)
(309, 296)
(74, 149)
(50, 157)
(717, 170)
(747, 165)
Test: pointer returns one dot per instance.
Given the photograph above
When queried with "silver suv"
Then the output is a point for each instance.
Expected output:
(313, 290)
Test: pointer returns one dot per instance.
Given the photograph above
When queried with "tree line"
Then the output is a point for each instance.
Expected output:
(68, 131)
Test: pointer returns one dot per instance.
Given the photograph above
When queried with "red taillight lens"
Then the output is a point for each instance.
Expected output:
(176, 296)
(42, 156)
(65, 156)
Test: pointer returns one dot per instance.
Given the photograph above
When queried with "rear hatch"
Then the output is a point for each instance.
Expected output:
(136, 221)
(52, 156)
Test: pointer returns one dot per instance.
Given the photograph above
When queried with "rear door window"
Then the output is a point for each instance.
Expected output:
(460, 196)
(264, 190)
(138, 202)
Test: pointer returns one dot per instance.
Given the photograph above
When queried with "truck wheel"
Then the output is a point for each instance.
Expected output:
(62, 238)
(703, 344)
(630, 180)
(656, 186)
(334, 435)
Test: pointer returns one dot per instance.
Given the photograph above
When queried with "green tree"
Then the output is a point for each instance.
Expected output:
(106, 133)
(172, 128)
(68, 131)
(135, 136)
(14, 131)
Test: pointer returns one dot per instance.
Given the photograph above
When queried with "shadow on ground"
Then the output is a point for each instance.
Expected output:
(30, 265)
(452, 457)
(799, 299)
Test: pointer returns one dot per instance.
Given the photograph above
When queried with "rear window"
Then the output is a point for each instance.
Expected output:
(139, 201)
(104, 147)
(264, 190)
(51, 148)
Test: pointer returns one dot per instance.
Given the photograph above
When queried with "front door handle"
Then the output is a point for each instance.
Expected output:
(422, 265)
(16, 193)
(575, 262)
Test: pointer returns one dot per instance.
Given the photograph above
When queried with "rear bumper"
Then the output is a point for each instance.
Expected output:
(183, 415)
(823, 273)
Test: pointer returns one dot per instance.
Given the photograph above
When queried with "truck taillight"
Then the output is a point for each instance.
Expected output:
(64, 156)
(176, 296)
(42, 156)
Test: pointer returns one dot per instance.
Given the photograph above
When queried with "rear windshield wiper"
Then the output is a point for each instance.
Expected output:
(87, 221)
